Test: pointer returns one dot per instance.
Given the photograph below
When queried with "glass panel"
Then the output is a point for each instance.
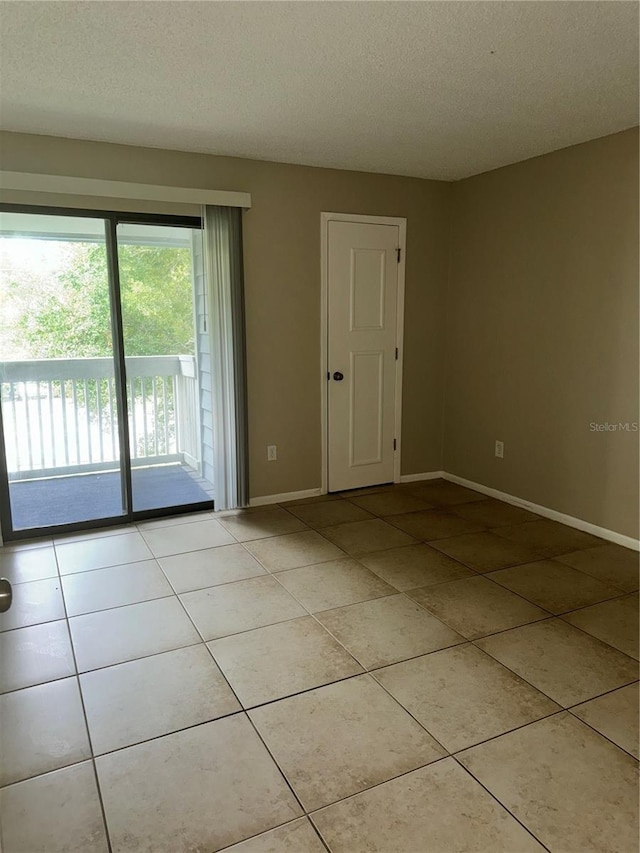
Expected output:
(57, 370)
(157, 278)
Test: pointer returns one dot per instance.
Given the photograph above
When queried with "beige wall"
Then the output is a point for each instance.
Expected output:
(282, 273)
(539, 325)
(542, 330)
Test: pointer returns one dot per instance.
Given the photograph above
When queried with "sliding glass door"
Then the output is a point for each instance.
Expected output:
(100, 407)
(59, 399)
(157, 274)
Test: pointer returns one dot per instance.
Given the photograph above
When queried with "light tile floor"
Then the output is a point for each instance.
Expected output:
(408, 669)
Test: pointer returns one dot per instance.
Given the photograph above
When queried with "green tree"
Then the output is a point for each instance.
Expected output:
(71, 317)
(157, 301)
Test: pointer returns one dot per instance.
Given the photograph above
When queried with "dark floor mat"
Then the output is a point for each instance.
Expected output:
(84, 497)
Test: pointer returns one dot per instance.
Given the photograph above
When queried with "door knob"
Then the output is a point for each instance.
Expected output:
(338, 376)
(5, 595)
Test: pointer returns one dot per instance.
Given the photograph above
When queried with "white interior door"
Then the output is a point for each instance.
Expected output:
(362, 286)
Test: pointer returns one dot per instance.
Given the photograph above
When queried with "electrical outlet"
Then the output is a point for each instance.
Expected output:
(272, 452)
(500, 449)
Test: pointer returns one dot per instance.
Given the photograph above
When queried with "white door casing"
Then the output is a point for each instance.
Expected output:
(363, 323)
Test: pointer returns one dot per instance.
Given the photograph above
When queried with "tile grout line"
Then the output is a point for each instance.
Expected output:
(593, 636)
(562, 707)
(107, 666)
(560, 710)
(484, 529)
(156, 559)
(547, 618)
(204, 643)
(303, 817)
(309, 614)
(88, 612)
(620, 595)
(244, 712)
(464, 641)
(441, 508)
(549, 615)
(312, 813)
(374, 785)
(488, 574)
(406, 710)
(318, 687)
(500, 803)
(606, 737)
(84, 714)
(448, 754)
(273, 758)
(369, 672)
(316, 829)
(272, 574)
(240, 711)
(357, 559)
(523, 597)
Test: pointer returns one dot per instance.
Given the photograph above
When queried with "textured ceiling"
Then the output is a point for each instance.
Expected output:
(431, 89)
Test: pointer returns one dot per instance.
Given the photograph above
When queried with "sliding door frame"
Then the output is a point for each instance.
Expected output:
(111, 220)
(120, 367)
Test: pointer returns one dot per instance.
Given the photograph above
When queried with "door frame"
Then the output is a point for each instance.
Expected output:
(401, 222)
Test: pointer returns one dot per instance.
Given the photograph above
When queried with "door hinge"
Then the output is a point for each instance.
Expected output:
(395, 443)
(396, 353)
(398, 253)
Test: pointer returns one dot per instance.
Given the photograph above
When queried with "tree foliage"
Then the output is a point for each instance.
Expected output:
(70, 317)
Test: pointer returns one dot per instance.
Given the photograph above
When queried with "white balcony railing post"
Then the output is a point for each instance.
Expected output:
(186, 383)
(60, 415)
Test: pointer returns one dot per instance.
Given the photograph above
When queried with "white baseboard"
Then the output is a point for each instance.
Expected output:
(429, 475)
(545, 512)
(263, 500)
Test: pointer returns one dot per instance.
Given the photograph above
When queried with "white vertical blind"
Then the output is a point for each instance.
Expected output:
(222, 249)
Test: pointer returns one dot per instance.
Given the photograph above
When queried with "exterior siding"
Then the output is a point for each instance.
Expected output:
(203, 352)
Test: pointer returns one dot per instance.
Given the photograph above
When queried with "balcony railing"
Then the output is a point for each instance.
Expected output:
(60, 415)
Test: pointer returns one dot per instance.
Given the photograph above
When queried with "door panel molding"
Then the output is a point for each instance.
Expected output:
(401, 223)
(374, 323)
(377, 357)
